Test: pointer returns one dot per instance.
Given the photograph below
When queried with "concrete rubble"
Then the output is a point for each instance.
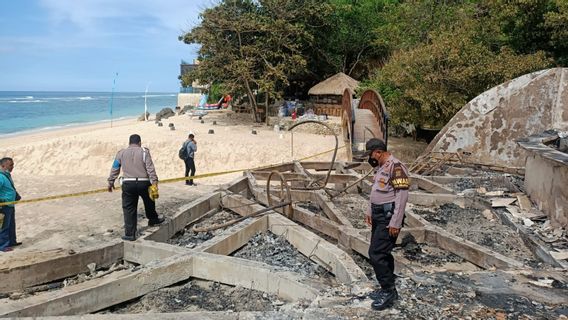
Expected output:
(484, 237)
(453, 260)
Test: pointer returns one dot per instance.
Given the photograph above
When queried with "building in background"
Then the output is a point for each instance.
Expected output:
(190, 95)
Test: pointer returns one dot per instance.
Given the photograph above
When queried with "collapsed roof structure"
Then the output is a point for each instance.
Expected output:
(484, 131)
(289, 242)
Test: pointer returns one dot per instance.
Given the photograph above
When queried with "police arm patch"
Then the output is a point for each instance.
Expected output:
(399, 178)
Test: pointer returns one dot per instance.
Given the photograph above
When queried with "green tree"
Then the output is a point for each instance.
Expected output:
(251, 46)
(528, 26)
(428, 83)
(347, 45)
(556, 23)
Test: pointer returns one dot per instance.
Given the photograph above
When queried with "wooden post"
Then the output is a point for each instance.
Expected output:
(266, 114)
(292, 144)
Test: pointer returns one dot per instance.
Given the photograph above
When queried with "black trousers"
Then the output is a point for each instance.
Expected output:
(382, 244)
(13, 239)
(131, 190)
(189, 166)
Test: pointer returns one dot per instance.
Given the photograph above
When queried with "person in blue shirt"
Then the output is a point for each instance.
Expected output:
(7, 194)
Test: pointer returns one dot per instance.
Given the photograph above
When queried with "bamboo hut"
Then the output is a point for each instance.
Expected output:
(327, 95)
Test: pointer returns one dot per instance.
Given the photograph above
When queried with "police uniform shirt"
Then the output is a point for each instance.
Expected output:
(135, 162)
(391, 183)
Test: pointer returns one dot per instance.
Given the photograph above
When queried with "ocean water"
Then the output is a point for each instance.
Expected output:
(25, 111)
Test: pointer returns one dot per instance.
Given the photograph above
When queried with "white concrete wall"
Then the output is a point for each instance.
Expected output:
(546, 183)
(188, 99)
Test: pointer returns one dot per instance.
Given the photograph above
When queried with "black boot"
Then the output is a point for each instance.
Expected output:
(376, 294)
(152, 223)
(385, 299)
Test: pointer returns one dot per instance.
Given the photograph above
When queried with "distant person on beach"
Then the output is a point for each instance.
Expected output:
(190, 147)
(8, 193)
(138, 175)
(224, 101)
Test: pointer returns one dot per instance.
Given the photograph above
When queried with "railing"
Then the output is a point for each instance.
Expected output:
(189, 90)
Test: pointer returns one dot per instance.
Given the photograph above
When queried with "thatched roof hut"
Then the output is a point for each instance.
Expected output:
(327, 95)
(334, 85)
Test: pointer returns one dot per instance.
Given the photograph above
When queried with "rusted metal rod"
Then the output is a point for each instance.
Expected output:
(283, 185)
(252, 215)
(351, 185)
(334, 151)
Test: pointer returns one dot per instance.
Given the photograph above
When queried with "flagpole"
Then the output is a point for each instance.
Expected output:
(112, 97)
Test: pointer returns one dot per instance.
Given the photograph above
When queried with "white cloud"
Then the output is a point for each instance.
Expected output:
(90, 15)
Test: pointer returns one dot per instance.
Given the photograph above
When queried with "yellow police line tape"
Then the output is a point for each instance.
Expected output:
(199, 176)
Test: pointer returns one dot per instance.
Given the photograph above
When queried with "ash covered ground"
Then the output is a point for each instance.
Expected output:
(189, 239)
(469, 224)
(426, 255)
(491, 181)
(310, 206)
(447, 295)
(197, 295)
(353, 208)
(276, 251)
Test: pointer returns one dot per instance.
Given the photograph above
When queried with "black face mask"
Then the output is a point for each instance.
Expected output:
(373, 162)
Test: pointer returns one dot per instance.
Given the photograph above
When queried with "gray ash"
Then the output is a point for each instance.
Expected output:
(353, 208)
(446, 295)
(491, 181)
(469, 224)
(463, 184)
(276, 251)
(312, 207)
(364, 264)
(428, 255)
(199, 295)
(189, 239)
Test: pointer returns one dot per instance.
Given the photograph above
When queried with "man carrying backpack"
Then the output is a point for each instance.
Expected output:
(187, 153)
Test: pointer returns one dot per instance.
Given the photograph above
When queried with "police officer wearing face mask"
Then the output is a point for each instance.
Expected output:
(385, 214)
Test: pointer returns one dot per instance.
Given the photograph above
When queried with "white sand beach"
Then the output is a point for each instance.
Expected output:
(79, 158)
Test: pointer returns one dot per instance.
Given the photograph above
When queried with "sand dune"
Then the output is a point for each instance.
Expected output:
(90, 150)
(79, 159)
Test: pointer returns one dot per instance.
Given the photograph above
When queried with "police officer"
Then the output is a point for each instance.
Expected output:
(385, 215)
(138, 175)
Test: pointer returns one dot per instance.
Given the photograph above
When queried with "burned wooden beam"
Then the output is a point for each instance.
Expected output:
(16, 275)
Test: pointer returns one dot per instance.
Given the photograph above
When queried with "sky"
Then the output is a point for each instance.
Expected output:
(81, 45)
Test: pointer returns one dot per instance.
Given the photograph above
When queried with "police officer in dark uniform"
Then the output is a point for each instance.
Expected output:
(138, 175)
(385, 215)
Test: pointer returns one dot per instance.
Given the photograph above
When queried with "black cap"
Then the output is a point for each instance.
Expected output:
(374, 144)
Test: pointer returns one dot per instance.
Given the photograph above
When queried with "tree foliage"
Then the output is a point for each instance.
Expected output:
(429, 83)
(348, 45)
(251, 46)
(426, 58)
(434, 71)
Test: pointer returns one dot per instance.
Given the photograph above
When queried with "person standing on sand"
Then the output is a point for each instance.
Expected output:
(8, 194)
(190, 148)
(139, 174)
(6, 167)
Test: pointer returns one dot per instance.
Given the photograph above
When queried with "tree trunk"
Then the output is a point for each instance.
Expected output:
(266, 104)
(252, 101)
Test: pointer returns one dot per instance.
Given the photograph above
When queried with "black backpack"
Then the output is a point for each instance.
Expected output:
(182, 153)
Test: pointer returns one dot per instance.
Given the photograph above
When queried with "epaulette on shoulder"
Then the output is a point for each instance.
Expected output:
(399, 178)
